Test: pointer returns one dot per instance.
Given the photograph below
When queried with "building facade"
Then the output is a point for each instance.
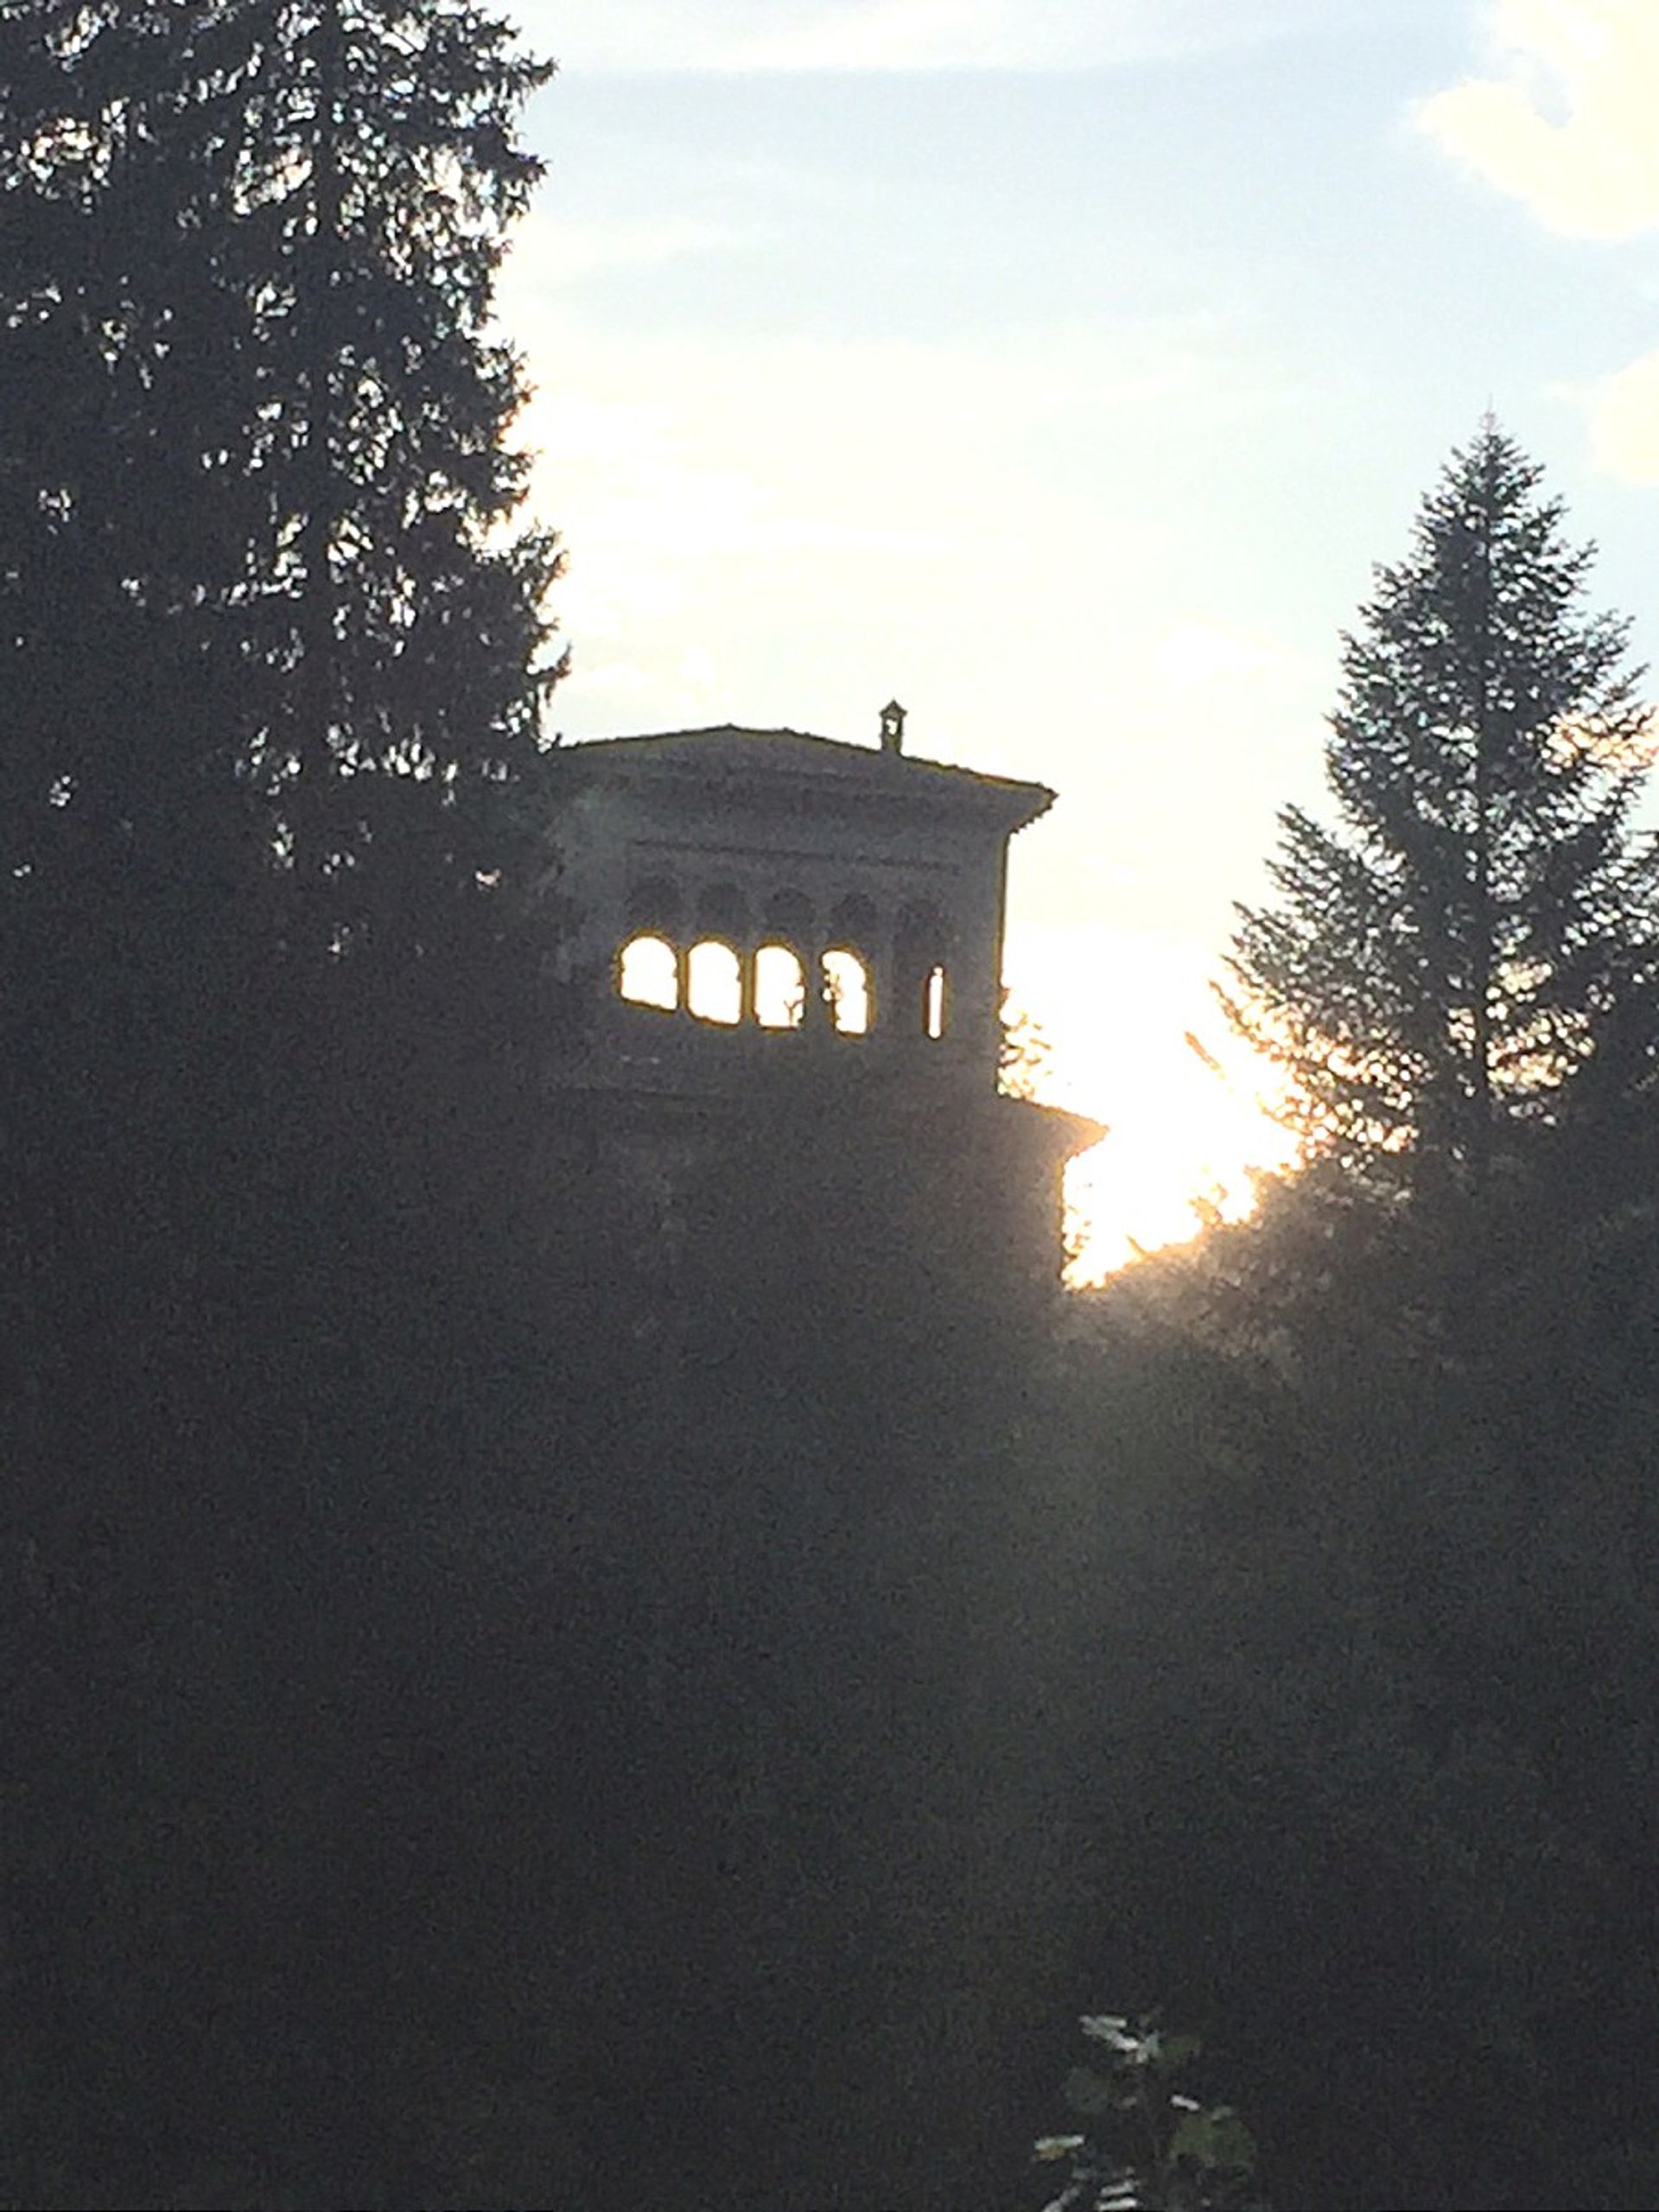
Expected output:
(767, 925)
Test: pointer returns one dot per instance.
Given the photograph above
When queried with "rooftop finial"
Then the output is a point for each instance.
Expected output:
(893, 727)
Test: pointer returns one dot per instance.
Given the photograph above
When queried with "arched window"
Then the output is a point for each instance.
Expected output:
(921, 991)
(722, 910)
(779, 988)
(648, 973)
(654, 904)
(847, 988)
(855, 924)
(789, 916)
(714, 982)
(936, 1003)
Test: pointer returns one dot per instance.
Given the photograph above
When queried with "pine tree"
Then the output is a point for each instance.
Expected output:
(1446, 957)
(260, 598)
(271, 660)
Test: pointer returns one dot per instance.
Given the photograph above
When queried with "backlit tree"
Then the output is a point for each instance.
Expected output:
(1447, 954)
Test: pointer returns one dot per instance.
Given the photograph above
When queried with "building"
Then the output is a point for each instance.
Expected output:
(771, 927)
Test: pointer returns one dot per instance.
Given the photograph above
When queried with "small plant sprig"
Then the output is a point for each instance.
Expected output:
(1145, 2146)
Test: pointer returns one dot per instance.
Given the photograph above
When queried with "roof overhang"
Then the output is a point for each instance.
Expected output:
(792, 769)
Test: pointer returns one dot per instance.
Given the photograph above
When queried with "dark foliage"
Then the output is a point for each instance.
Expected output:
(1382, 1498)
(1446, 958)
(259, 614)
(1144, 2144)
(504, 1704)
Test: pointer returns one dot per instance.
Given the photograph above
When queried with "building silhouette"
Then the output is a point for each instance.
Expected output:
(779, 935)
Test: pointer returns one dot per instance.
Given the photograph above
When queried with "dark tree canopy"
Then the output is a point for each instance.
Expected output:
(1446, 956)
(503, 1709)
(260, 594)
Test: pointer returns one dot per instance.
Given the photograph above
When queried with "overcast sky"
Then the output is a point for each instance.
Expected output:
(1061, 367)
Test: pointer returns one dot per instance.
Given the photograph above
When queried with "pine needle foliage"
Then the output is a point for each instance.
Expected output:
(261, 581)
(1445, 956)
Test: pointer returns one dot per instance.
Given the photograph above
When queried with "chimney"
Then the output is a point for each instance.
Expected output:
(893, 727)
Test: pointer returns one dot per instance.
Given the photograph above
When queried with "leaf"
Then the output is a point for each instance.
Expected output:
(1092, 2094)
(1049, 2148)
(1120, 2196)
(1214, 2137)
(1170, 2053)
(1068, 2199)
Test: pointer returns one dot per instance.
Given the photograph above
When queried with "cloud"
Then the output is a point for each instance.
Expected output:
(695, 476)
(1567, 125)
(1623, 414)
(874, 34)
(865, 515)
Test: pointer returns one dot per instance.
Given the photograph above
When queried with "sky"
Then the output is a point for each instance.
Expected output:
(1062, 368)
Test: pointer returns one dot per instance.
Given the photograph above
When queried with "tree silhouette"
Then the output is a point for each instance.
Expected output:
(260, 598)
(1443, 959)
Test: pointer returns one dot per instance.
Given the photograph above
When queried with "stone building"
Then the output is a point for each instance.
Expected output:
(770, 925)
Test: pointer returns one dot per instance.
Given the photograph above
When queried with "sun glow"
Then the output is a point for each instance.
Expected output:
(1137, 1041)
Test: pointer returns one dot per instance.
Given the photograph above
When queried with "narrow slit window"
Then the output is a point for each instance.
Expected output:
(648, 973)
(935, 1004)
(714, 983)
(779, 988)
(847, 990)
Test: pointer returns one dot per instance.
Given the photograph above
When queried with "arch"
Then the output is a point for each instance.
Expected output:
(920, 987)
(854, 924)
(847, 991)
(648, 972)
(721, 911)
(779, 988)
(789, 916)
(655, 905)
(714, 982)
(920, 924)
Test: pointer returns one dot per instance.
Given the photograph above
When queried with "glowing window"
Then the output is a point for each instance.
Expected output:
(847, 988)
(648, 973)
(936, 1003)
(779, 988)
(714, 982)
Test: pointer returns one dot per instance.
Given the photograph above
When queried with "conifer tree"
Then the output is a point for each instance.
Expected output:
(270, 656)
(260, 598)
(1448, 954)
